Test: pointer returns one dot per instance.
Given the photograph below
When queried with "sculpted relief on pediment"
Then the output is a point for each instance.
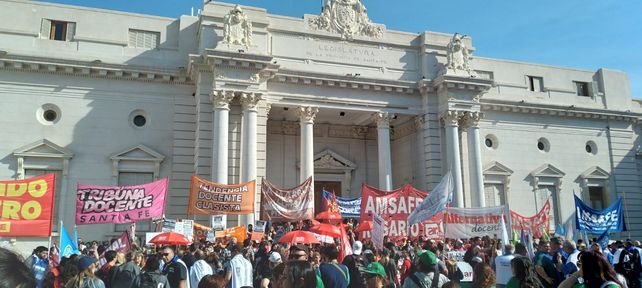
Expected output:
(346, 17)
(237, 28)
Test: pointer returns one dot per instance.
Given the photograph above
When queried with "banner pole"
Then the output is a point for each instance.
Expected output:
(49, 247)
(626, 213)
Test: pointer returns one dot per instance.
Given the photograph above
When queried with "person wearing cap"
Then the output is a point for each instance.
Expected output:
(85, 277)
(375, 275)
(266, 278)
(355, 263)
(426, 272)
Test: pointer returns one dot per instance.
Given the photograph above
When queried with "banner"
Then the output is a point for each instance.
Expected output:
(238, 232)
(536, 223)
(465, 223)
(465, 268)
(259, 230)
(597, 221)
(394, 207)
(210, 198)
(283, 205)
(200, 232)
(348, 207)
(377, 231)
(120, 204)
(435, 202)
(217, 223)
(26, 206)
(67, 245)
(122, 244)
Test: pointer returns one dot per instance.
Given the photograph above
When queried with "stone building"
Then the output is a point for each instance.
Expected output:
(233, 94)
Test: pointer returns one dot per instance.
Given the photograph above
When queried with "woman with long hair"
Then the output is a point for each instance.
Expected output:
(595, 272)
(524, 275)
(85, 277)
(483, 276)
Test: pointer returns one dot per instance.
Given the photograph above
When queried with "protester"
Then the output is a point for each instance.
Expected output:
(212, 281)
(174, 269)
(14, 272)
(126, 274)
(106, 272)
(544, 267)
(376, 276)
(239, 269)
(503, 266)
(199, 269)
(333, 274)
(570, 266)
(267, 276)
(426, 274)
(151, 276)
(86, 277)
(483, 276)
(392, 273)
(298, 274)
(594, 272)
(524, 275)
(38, 263)
(54, 278)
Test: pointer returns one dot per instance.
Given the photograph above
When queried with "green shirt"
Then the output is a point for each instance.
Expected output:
(607, 286)
(513, 283)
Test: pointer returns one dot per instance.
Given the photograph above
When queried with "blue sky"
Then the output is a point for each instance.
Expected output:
(571, 33)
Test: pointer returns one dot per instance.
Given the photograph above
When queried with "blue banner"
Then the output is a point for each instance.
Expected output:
(594, 221)
(349, 207)
(67, 246)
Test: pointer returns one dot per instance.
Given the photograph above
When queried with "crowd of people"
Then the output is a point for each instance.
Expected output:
(414, 263)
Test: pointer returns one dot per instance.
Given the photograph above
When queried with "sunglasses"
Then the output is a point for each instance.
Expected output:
(293, 256)
(165, 254)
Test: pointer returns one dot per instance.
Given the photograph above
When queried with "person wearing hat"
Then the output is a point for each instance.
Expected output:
(355, 263)
(426, 275)
(267, 277)
(85, 277)
(375, 275)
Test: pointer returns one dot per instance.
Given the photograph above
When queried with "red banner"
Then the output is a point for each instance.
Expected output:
(535, 223)
(395, 206)
(26, 206)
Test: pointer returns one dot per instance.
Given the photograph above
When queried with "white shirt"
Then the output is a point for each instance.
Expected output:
(503, 271)
(241, 270)
(199, 270)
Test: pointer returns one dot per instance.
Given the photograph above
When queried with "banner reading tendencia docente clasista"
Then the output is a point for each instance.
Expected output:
(115, 204)
(26, 206)
(210, 198)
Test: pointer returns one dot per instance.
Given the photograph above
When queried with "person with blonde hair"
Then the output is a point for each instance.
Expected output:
(86, 277)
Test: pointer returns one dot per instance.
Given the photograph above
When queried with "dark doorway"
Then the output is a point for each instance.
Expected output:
(319, 186)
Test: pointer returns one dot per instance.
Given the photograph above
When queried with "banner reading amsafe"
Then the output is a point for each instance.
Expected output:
(115, 204)
(26, 206)
(210, 198)
(465, 223)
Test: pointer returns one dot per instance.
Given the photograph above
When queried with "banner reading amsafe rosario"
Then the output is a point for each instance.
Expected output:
(26, 206)
(279, 205)
(465, 223)
(120, 204)
(535, 223)
(210, 198)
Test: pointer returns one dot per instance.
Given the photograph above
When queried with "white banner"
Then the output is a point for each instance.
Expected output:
(259, 226)
(377, 231)
(465, 268)
(217, 223)
(465, 223)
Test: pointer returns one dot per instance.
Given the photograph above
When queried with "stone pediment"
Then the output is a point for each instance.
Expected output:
(328, 159)
(496, 168)
(43, 148)
(548, 170)
(595, 172)
(139, 153)
(346, 17)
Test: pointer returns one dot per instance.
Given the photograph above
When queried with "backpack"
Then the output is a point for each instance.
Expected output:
(147, 281)
(123, 278)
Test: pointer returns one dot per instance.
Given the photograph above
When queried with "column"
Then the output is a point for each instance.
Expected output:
(249, 102)
(221, 106)
(451, 123)
(383, 145)
(306, 120)
(474, 152)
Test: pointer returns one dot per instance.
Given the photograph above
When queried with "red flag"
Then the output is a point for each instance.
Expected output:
(54, 256)
(346, 249)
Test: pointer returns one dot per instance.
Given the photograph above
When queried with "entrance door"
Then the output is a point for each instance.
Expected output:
(319, 186)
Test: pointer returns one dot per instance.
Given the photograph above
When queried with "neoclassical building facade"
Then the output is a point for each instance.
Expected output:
(234, 94)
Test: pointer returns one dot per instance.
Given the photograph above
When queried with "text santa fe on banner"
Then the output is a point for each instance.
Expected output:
(120, 204)
(210, 198)
(280, 205)
(395, 206)
(597, 221)
(536, 223)
(26, 206)
(465, 223)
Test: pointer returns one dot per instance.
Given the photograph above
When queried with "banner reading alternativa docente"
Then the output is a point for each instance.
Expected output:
(120, 204)
(210, 198)
(26, 206)
(465, 223)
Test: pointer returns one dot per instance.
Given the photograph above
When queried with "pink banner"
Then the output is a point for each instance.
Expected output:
(113, 204)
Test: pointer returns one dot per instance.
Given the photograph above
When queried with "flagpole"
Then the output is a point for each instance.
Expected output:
(626, 213)
(49, 247)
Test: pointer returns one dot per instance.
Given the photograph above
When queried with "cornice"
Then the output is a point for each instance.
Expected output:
(558, 110)
(347, 81)
(92, 69)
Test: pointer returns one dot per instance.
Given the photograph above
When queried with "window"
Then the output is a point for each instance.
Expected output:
(29, 173)
(581, 89)
(493, 194)
(535, 84)
(596, 197)
(143, 39)
(57, 30)
(548, 193)
(543, 145)
(131, 179)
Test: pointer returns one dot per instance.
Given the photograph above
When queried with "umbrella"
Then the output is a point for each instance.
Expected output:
(170, 238)
(314, 222)
(299, 236)
(364, 226)
(327, 215)
(326, 229)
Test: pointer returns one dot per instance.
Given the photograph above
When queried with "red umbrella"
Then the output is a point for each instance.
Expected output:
(298, 236)
(170, 238)
(364, 226)
(326, 229)
(314, 222)
(327, 215)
